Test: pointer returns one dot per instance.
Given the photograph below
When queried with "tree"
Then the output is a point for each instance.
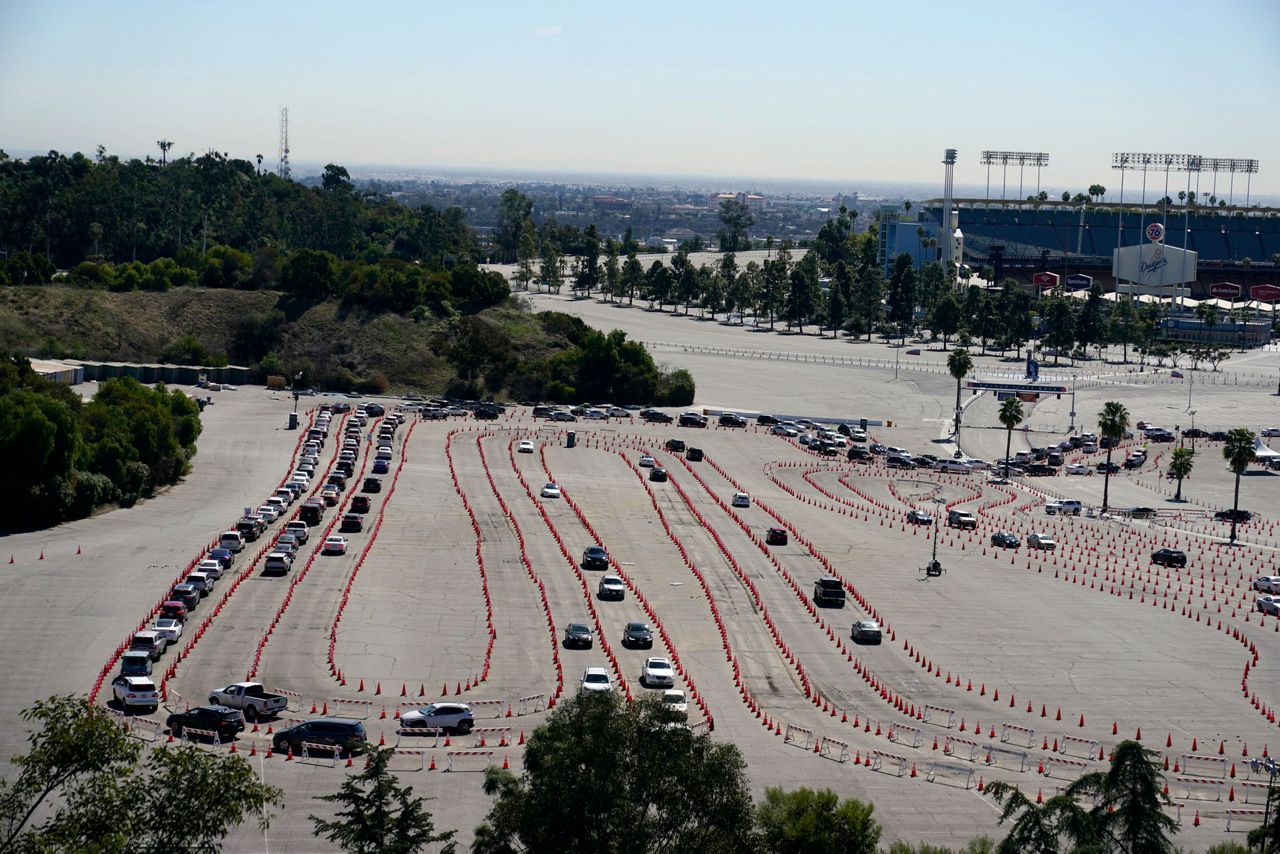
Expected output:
(736, 219)
(959, 364)
(310, 273)
(658, 283)
(1097, 191)
(839, 298)
(632, 279)
(804, 296)
(1036, 828)
(336, 179)
(933, 284)
(868, 297)
(1267, 836)
(1123, 326)
(1091, 322)
(549, 270)
(1238, 451)
(179, 799)
(774, 278)
(945, 318)
(809, 821)
(379, 815)
(726, 277)
(1059, 327)
(606, 775)
(526, 253)
(1010, 416)
(514, 207)
(589, 267)
(902, 294)
(1113, 421)
(1180, 466)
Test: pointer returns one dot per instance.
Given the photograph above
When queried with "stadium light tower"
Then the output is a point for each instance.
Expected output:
(1232, 165)
(1038, 159)
(946, 230)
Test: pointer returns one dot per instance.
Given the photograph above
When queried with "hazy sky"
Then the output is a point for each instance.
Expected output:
(813, 90)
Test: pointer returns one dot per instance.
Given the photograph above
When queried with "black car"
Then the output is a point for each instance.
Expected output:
(346, 468)
(637, 635)
(343, 733)
(1218, 436)
(1104, 468)
(1195, 433)
(693, 419)
(542, 411)
(371, 484)
(658, 474)
(860, 454)
(1169, 557)
(1134, 463)
(360, 504)
(595, 557)
(351, 522)
(1005, 540)
(1159, 436)
(656, 416)
(1141, 512)
(730, 419)
(675, 446)
(226, 722)
(487, 412)
(776, 537)
(693, 455)
(337, 479)
(578, 635)
(919, 517)
(767, 420)
(1233, 515)
(1041, 470)
(374, 409)
(926, 460)
(1107, 442)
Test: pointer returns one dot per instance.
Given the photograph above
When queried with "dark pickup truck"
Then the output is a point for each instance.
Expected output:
(828, 591)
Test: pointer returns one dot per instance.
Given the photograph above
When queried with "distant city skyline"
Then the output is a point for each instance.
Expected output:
(837, 94)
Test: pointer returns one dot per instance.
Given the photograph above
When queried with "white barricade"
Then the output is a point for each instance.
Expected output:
(1233, 814)
(841, 748)
(484, 735)
(702, 727)
(1025, 736)
(205, 737)
(532, 703)
(1205, 766)
(1019, 757)
(889, 763)
(791, 733)
(1259, 791)
(419, 735)
(914, 737)
(939, 716)
(1194, 787)
(1086, 747)
(467, 754)
(962, 748)
(143, 729)
(294, 698)
(498, 707)
(1067, 769)
(941, 772)
(341, 707)
(175, 702)
(407, 760)
(320, 754)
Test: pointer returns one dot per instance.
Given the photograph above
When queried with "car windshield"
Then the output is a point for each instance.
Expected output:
(578, 629)
(166, 623)
(596, 678)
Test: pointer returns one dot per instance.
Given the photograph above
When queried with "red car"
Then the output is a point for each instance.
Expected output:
(173, 610)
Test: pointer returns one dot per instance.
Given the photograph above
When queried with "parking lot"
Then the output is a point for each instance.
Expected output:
(1014, 664)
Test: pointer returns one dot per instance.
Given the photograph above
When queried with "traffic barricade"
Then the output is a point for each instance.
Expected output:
(889, 763)
(1086, 747)
(143, 729)
(1015, 759)
(532, 703)
(467, 756)
(962, 748)
(1064, 769)
(1020, 735)
(497, 707)
(175, 702)
(794, 735)
(419, 735)
(403, 759)
(1202, 788)
(294, 699)
(1236, 814)
(833, 748)
(939, 716)
(342, 707)
(319, 754)
(950, 775)
(700, 727)
(1253, 791)
(484, 736)
(906, 734)
(1196, 765)
(201, 737)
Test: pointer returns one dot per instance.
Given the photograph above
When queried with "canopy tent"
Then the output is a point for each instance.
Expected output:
(1262, 452)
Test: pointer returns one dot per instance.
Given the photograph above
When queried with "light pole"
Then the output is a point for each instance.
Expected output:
(1269, 765)
(1191, 381)
(1193, 432)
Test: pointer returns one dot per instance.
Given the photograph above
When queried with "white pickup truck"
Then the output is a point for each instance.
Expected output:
(251, 699)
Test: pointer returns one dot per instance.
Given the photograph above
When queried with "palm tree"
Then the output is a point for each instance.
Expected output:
(1238, 452)
(1180, 467)
(1127, 812)
(959, 363)
(1010, 416)
(1113, 421)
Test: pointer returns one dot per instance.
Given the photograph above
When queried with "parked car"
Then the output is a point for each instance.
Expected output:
(730, 419)
(675, 446)
(675, 700)
(1267, 583)
(251, 699)
(150, 642)
(1141, 512)
(345, 734)
(595, 557)
(135, 692)
(172, 609)
(371, 484)
(299, 529)
(1078, 469)
(279, 561)
(776, 537)
(360, 504)
(654, 416)
(1042, 542)
(692, 419)
(232, 541)
(1169, 557)
(1066, 507)
(169, 628)
(187, 594)
(657, 673)
(135, 662)
(1005, 540)
(784, 430)
(351, 522)
(578, 635)
(225, 721)
(637, 635)
(866, 631)
(454, 718)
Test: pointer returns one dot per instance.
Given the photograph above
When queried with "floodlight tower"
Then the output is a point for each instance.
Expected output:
(946, 228)
(282, 166)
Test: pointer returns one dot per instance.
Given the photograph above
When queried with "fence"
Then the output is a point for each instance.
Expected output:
(143, 729)
(203, 737)
(1086, 747)
(496, 706)
(963, 748)
(1233, 814)
(1206, 766)
(915, 737)
(946, 774)
(407, 760)
(483, 732)
(345, 708)
(1193, 787)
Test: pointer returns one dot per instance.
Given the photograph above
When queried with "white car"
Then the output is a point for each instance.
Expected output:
(231, 541)
(618, 412)
(135, 692)
(300, 530)
(1044, 542)
(169, 629)
(978, 465)
(784, 430)
(334, 545)
(278, 562)
(551, 490)
(595, 679)
(525, 447)
(1080, 468)
(449, 717)
(741, 499)
(1267, 584)
(269, 512)
(1269, 605)
(647, 462)
(210, 567)
(674, 699)
(1271, 431)
(657, 673)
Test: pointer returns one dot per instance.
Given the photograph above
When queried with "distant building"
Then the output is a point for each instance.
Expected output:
(751, 200)
(616, 202)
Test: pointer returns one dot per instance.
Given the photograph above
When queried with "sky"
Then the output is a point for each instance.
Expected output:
(838, 90)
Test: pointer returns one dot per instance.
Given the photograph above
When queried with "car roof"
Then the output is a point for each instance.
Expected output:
(595, 670)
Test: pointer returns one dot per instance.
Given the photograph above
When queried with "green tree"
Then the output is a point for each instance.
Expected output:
(839, 297)
(1059, 326)
(736, 219)
(377, 815)
(1180, 464)
(815, 821)
(1091, 322)
(336, 179)
(514, 207)
(1010, 416)
(606, 775)
(1128, 800)
(612, 268)
(933, 284)
(549, 270)
(589, 263)
(902, 294)
(1113, 421)
(944, 320)
(1238, 451)
(868, 297)
(959, 364)
(774, 279)
(632, 279)
(526, 254)
(658, 280)
(310, 274)
(1124, 327)
(804, 295)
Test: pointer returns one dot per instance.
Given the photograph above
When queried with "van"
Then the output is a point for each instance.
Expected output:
(231, 541)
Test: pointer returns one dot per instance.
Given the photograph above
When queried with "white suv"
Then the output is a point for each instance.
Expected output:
(595, 679)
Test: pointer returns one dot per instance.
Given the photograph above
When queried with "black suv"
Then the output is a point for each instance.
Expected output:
(658, 474)
(859, 453)
(1041, 470)
(595, 557)
(371, 484)
(343, 733)
(637, 635)
(656, 416)
(693, 419)
(730, 419)
(693, 455)
(1233, 515)
(579, 635)
(226, 722)
(767, 420)
(360, 504)
(487, 412)
(1169, 557)
(675, 446)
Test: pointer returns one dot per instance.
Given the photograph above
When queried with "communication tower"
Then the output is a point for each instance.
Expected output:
(282, 168)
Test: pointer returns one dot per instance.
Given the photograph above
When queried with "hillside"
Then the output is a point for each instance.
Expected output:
(505, 352)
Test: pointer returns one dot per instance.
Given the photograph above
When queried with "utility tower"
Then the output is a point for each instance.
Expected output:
(282, 168)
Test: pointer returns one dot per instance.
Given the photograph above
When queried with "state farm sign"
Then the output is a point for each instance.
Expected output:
(1226, 290)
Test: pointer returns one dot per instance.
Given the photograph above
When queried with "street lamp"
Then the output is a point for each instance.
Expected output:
(1193, 432)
